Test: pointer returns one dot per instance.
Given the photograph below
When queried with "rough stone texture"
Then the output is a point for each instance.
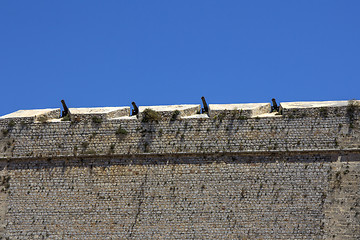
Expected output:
(26, 116)
(342, 206)
(4, 186)
(232, 111)
(171, 112)
(81, 114)
(189, 135)
(294, 175)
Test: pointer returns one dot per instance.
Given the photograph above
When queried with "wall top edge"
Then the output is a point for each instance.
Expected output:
(190, 109)
(315, 104)
(167, 108)
(32, 113)
(95, 110)
(237, 106)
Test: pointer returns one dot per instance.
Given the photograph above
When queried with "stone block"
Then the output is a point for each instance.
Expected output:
(32, 115)
(316, 108)
(79, 114)
(246, 110)
(171, 112)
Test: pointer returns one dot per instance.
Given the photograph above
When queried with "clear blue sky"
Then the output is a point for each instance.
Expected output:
(109, 53)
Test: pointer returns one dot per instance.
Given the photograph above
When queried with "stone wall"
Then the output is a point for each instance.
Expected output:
(198, 133)
(342, 206)
(267, 196)
(240, 173)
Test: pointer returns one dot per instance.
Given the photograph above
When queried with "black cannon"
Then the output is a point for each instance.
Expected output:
(135, 111)
(66, 111)
(205, 108)
(274, 107)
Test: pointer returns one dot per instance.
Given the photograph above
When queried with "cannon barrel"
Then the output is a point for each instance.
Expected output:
(274, 107)
(66, 110)
(206, 108)
(135, 111)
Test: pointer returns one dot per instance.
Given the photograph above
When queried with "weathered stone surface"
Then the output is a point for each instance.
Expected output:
(79, 114)
(167, 112)
(31, 115)
(228, 174)
(232, 111)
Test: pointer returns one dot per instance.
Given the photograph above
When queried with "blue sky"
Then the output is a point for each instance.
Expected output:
(109, 53)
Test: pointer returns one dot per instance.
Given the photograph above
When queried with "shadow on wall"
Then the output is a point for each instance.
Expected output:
(175, 160)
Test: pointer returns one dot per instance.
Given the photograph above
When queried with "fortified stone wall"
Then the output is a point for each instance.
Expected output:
(231, 130)
(236, 172)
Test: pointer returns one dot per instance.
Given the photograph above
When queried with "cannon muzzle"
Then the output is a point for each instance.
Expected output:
(135, 111)
(205, 108)
(274, 107)
(66, 110)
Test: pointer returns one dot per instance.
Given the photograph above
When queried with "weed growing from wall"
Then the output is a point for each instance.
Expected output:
(323, 112)
(150, 115)
(43, 119)
(96, 120)
(351, 110)
(11, 124)
(121, 132)
(66, 118)
(221, 116)
(175, 115)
